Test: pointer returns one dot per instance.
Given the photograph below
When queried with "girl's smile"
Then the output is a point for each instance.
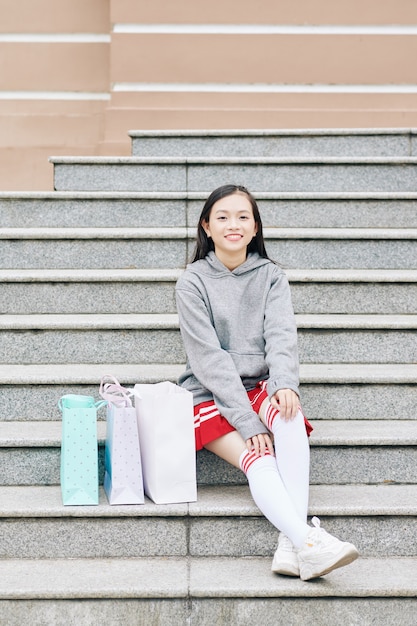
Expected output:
(231, 226)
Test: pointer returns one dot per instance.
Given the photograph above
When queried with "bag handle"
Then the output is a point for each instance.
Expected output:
(73, 401)
(113, 392)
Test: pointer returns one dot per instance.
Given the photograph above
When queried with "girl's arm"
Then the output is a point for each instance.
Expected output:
(281, 352)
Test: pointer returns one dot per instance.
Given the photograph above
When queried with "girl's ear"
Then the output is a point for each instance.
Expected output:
(206, 228)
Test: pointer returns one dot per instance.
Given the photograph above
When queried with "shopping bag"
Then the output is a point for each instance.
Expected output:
(79, 450)
(166, 433)
(123, 481)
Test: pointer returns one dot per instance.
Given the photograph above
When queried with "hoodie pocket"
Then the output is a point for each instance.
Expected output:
(249, 365)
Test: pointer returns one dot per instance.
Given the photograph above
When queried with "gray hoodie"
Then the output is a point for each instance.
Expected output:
(238, 328)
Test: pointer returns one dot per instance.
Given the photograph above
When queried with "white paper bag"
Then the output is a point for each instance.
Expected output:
(165, 417)
(123, 482)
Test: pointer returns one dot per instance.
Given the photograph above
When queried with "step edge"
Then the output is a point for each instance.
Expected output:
(164, 233)
(268, 132)
(310, 373)
(346, 433)
(86, 578)
(170, 275)
(230, 160)
(169, 321)
(41, 502)
(202, 195)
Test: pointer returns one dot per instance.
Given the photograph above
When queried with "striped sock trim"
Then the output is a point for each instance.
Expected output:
(270, 415)
(247, 459)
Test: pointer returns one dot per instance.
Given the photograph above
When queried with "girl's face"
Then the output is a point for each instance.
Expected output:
(231, 226)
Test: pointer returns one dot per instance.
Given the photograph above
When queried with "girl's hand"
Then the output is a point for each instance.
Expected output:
(259, 444)
(287, 402)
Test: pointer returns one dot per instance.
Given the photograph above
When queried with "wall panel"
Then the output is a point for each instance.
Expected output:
(291, 59)
(54, 16)
(265, 12)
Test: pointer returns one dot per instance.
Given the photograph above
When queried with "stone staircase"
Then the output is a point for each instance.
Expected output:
(87, 276)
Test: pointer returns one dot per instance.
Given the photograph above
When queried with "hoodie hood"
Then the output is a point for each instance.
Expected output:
(212, 267)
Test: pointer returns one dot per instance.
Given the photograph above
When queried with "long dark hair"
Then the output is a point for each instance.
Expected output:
(204, 244)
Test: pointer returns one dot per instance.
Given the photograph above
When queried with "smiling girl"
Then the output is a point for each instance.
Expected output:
(239, 332)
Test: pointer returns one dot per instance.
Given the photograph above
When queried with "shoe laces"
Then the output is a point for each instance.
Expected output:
(318, 536)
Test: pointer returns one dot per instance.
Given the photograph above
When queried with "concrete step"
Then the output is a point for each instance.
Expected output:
(382, 174)
(327, 210)
(353, 248)
(165, 248)
(270, 143)
(328, 391)
(98, 248)
(381, 520)
(342, 452)
(352, 291)
(180, 591)
(88, 291)
(71, 210)
(103, 291)
(62, 209)
(156, 338)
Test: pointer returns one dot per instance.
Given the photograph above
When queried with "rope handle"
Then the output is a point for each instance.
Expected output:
(113, 392)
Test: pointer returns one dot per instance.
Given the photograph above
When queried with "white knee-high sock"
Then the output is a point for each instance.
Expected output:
(292, 456)
(271, 497)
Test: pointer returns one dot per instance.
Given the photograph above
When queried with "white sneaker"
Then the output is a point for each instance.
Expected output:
(285, 558)
(322, 553)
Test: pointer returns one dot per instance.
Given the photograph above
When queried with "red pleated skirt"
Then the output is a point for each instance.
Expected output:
(210, 425)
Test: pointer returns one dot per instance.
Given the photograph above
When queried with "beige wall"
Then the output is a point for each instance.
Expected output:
(265, 11)
(76, 75)
(54, 85)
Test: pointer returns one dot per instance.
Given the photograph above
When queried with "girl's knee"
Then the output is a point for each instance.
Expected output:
(294, 424)
(249, 460)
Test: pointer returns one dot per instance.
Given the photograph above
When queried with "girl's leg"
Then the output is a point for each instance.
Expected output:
(318, 553)
(265, 483)
(228, 447)
(292, 454)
